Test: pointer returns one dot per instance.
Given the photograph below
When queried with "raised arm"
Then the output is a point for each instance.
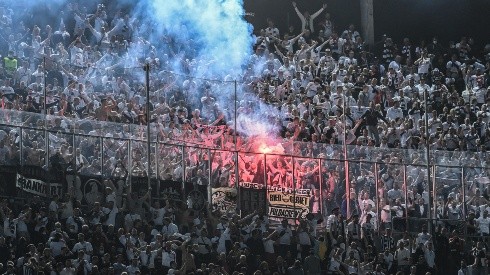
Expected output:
(315, 15)
(319, 48)
(281, 55)
(50, 32)
(297, 37)
(91, 28)
(313, 45)
(249, 216)
(300, 15)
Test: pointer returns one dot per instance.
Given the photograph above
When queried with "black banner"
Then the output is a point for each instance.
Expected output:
(31, 181)
(252, 197)
(171, 190)
(196, 195)
(91, 189)
(8, 175)
(140, 185)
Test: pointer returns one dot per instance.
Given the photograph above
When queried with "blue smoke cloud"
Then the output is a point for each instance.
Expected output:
(212, 32)
(196, 38)
(214, 40)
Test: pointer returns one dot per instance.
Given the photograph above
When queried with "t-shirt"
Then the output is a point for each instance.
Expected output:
(483, 225)
(286, 237)
(111, 219)
(157, 215)
(56, 247)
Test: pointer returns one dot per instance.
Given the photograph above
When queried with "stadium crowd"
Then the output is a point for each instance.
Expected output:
(329, 88)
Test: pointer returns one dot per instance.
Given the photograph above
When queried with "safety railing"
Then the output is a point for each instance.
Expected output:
(79, 156)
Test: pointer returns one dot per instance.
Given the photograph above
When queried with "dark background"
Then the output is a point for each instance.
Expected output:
(416, 19)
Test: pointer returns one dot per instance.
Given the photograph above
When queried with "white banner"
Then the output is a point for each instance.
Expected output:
(287, 212)
(38, 187)
(224, 198)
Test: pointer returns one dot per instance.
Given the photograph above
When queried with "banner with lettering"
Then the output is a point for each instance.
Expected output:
(35, 180)
(38, 187)
(288, 203)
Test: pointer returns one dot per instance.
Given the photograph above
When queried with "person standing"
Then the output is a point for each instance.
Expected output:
(371, 117)
(312, 264)
(307, 19)
(285, 234)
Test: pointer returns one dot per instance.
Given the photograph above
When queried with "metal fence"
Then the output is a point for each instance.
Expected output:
(305, 178)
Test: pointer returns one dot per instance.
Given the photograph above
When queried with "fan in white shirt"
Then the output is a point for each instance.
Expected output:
(395, 111)
(169, 228)
(429, 254)
(168, 255)
(130, 219)
(271, 30)
(158, 213)
(68, 269)
(84, 246)
(285, 233)
(87, 267)
(133, 268)
(423, 237)
(147, 257)
(483, 223)
(110, 213)
(56, 244)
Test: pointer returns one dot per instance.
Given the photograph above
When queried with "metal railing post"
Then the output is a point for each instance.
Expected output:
(376, 184)
(102, 156)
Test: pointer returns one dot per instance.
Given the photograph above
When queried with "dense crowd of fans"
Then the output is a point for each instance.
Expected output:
(319, 78)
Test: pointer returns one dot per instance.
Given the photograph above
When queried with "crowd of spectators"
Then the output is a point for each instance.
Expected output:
(328, 87)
